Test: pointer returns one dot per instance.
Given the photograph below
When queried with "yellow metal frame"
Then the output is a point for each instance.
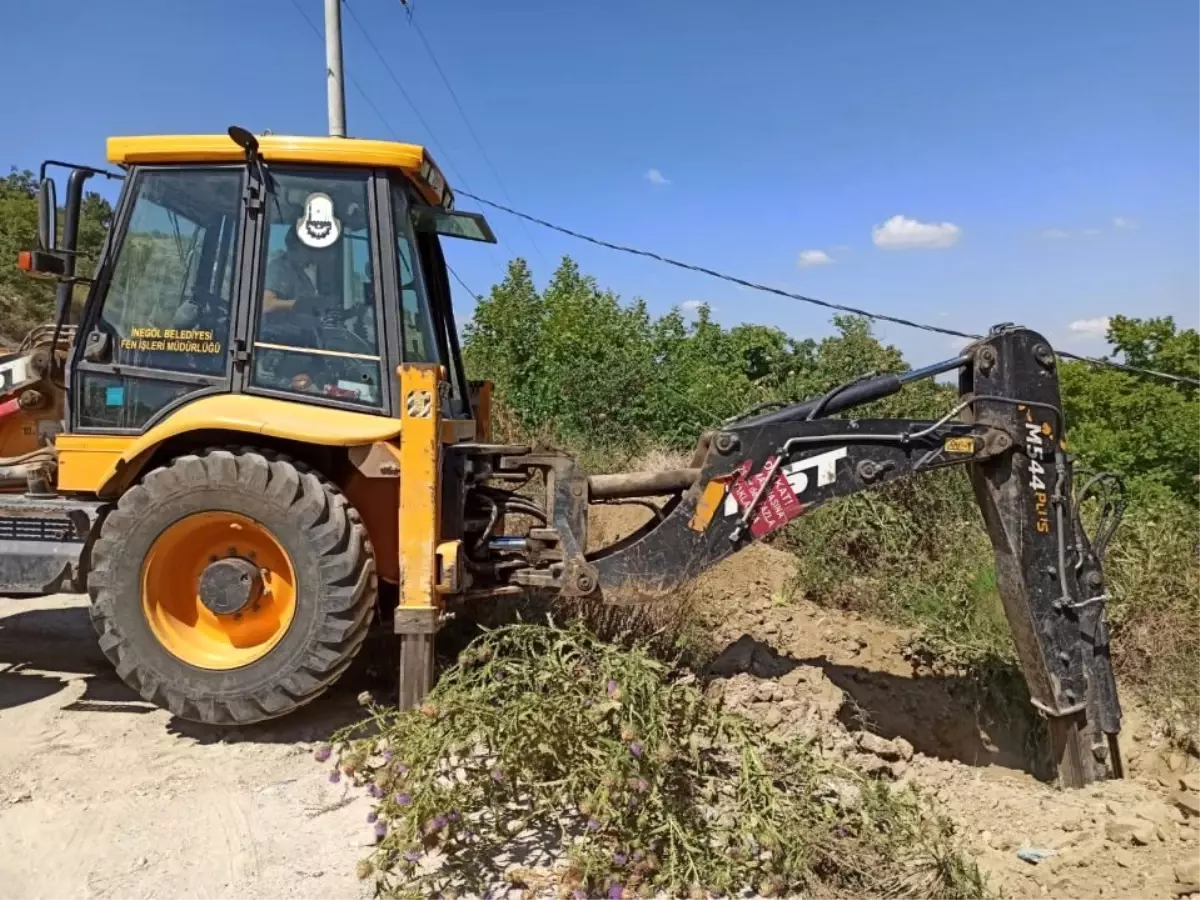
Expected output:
(104, 464)
(420, 458)
(412, 159)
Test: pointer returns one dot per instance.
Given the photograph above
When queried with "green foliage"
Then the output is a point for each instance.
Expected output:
(1139, 427)
(25, 301)
(631, 773)
(575, 363)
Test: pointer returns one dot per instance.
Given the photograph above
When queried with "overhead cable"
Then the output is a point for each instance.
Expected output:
(840, 307)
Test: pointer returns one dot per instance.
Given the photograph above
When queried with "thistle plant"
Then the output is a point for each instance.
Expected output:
(640, 784)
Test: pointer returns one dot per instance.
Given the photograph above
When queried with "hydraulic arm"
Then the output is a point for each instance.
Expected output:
(767, 467)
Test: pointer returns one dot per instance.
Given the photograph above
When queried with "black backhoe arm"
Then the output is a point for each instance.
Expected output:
(757, 473)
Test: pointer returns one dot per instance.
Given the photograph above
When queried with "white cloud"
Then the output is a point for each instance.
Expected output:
(1122, 222)
(1055, 234)
(808, 258)
(691, 305)
(902, 233)
(1091, 328)
(656, 177)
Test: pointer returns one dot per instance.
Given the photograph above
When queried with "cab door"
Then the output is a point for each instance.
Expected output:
(429, 332)
(157, 329)
(317, 330)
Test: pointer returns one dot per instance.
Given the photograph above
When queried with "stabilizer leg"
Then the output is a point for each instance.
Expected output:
(419, 458)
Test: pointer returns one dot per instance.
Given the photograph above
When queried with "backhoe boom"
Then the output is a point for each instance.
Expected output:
(759, 472)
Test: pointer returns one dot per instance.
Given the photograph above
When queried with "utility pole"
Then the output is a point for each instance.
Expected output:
(335, 83)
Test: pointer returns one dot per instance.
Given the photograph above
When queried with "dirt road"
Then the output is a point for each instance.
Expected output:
(102, 795)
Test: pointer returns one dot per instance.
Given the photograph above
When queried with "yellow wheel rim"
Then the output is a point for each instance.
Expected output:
(183, 625)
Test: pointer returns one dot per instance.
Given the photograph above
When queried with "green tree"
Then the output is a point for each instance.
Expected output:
(26, 301)
(1135, 425)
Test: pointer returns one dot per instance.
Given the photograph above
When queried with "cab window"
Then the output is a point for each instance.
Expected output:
(168, 301)
(317, 333)
(420, 343)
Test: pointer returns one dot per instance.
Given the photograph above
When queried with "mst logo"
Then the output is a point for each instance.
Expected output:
(1036, 438)
(823, 466)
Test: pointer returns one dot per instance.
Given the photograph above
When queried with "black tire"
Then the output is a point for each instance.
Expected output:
(334, 594)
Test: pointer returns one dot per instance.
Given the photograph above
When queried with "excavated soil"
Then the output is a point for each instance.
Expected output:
(102, 795)
(845, 682)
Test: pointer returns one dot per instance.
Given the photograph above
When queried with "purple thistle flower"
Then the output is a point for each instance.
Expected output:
(387, 755)
(401, 770)
(497, 776)
(412, 856)
(335, 776)
(641, 785)
(380, 830)
(453, 815)
(371, 817)
(636, 748)
(633, 802)
(322, 753)
(619, 858)
(593, 825)
(611, 687)
(403, 799)
(578, 894)
(375, 790)
(614, 892)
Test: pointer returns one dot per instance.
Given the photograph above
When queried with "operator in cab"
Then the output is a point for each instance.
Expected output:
(290, 287)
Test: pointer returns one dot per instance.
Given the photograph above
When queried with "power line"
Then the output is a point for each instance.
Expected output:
(467, 121)
(476, 297)
(733, 279)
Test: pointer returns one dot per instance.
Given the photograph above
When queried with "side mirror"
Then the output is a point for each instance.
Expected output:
(47, 215)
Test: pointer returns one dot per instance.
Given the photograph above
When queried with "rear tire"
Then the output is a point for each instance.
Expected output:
(330, 600)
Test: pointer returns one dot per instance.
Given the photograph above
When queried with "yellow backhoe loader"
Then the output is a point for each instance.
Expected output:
(261, 414)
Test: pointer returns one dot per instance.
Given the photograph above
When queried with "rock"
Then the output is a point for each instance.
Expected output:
(1175, 762)
(881, 747)
(1127, 831)
(792, 678)
(987, 838)
(905, 748)
(773, 717)
(898, 768)
(873, 765)
(789, 706)
(1188, 871)
(765, 691)
(1071, 822)
(1190, 782)
(770, 629)
(1123, 858)
(1154, 811)
(1188, 801)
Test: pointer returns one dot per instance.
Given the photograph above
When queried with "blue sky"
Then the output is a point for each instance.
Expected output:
(961, 163)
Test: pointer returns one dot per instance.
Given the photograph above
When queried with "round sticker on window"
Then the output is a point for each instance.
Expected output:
(318, 227)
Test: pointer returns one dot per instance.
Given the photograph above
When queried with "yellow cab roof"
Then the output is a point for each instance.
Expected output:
(412, 159)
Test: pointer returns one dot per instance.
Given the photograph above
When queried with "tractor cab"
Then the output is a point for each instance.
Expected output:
(297, 268)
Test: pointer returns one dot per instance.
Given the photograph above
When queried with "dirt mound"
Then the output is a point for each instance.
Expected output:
(845, 683)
